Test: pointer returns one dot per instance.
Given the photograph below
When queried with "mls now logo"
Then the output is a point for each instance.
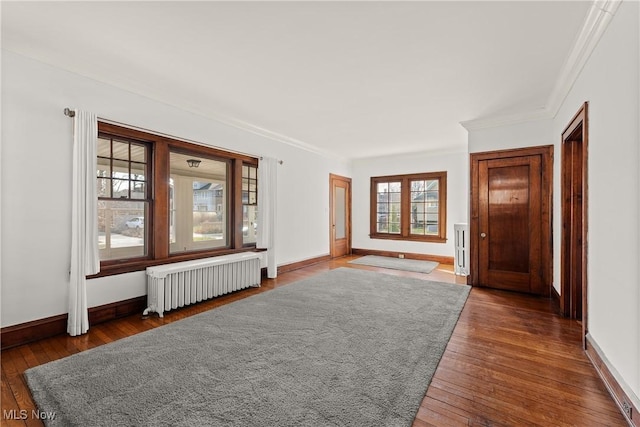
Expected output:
(23, 414)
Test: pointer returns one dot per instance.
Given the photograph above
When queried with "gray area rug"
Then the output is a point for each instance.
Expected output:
(396, 263)
(345, 348)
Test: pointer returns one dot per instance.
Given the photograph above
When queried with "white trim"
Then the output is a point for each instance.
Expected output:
(595, 24)
(593, 28)
(274, 136)
(506, 120)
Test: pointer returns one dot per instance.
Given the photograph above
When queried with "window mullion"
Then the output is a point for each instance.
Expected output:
(405, 197)
(236, 204)
(160, 201)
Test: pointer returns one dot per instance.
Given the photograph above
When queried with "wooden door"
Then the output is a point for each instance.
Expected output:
(340, 215)
(573, 258)
(511, 220)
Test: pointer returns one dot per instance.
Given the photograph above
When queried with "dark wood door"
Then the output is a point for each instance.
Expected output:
(574, 201)
(511, 222)
(340, 215)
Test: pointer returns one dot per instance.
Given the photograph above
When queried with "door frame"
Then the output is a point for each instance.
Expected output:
(546, 154)
(332, 179)
(579, 121)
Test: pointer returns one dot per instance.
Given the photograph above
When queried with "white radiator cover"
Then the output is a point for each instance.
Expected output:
(176, 285)
(461, 263)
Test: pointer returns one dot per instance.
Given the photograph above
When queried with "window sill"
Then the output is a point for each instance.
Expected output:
(428, 239)
(130, 266)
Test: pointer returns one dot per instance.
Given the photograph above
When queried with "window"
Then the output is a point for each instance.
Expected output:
(162, 200)
(198, 202)
(123, 198)
(409, 207)
(249, 203)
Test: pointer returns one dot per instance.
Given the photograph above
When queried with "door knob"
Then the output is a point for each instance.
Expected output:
(483, 235)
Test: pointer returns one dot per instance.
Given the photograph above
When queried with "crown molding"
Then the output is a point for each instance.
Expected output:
(507, 119)
(595, 24)
(266, 133)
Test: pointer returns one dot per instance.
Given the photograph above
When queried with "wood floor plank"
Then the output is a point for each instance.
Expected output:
(14, 365)
(11, 412)
(433, 413)
(510, 362)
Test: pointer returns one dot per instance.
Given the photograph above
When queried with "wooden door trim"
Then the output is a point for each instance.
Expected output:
(580, 119)
(546, 154)
(332, 178)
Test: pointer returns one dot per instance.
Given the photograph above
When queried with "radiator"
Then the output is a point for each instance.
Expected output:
(176, 285)
(461, 263)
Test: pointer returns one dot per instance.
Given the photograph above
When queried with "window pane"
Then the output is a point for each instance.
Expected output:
(198, 204)
(120, 188)
(138, 171)
(120, 169)
(121, 220)
(417, 185)
(424, 207)
(103, 168)
(383, 188)
(103, 187)
(138, 190)
(138, 153)
(121, 229)
(104, 147)
(341, 212)
(249, 202)
(388, 207)
(249, 224)
(121, 150)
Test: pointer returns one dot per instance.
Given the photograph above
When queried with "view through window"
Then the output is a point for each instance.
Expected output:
(409, 207)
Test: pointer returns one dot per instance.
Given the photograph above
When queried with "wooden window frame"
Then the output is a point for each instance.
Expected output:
(160, 147)
(148, 190)
(405, 207)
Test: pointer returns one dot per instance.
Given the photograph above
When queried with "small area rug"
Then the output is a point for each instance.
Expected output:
(396, 263)
(344, 348)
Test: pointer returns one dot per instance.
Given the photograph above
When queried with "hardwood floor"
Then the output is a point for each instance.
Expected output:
(510, 360)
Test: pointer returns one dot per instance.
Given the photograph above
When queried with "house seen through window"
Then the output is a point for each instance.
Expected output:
(163, 200)
(411, 207)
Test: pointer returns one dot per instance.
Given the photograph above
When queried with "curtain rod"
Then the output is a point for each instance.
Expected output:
(70, 113)
(279, 161)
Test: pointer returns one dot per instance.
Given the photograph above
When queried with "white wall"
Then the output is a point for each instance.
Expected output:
(610, 83)
(520, 135)
(36, 183)
(456, 164)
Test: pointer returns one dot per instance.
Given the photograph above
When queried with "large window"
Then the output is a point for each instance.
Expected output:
(249, 203)
(162, 200)
(198, 202)
(123, 198)
(409, 207)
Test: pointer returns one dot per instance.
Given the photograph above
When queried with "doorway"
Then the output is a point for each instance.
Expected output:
(510, 235)
(339, 215)
(573, 297)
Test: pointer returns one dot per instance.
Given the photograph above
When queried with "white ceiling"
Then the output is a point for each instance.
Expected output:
(354, 79)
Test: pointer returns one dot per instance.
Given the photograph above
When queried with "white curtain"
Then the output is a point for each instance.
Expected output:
(85, 258)
(267, 196)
